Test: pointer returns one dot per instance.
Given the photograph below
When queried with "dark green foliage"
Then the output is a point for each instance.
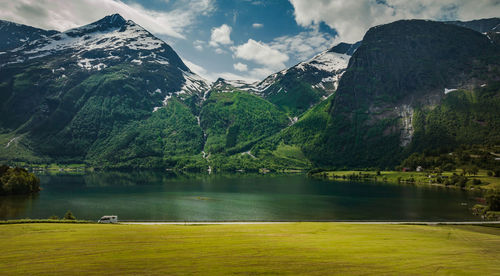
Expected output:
(299, 95)
(69, 216)
(406, 63)
(16, 181)
(493, 200)
(234, 122)
(469, 158)
(157, 142)
(463, 117)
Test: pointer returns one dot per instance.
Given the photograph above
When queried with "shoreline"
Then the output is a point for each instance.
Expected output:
(367, 222)
(333, 222)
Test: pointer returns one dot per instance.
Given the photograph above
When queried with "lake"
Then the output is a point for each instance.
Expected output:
(238, 197)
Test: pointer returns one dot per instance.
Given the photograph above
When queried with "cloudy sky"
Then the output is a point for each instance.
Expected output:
(246, 39)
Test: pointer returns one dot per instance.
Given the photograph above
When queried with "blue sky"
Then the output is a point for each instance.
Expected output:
(246, 39)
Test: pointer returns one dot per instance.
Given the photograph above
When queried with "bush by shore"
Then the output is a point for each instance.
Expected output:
(17, 181)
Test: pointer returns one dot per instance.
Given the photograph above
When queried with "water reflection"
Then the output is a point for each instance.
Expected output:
(14, 206)
(151, 195)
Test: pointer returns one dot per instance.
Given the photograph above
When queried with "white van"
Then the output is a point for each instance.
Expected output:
(108, 219)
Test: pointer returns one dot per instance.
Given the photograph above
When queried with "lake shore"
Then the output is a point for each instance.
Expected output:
(290, 249)
(412, 177)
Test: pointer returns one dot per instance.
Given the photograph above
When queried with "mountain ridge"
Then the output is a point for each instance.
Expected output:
(113, 95)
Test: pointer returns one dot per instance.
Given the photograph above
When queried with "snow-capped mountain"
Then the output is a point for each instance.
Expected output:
(105, 43)
(302, 85)
(13, 35)
(323, 70)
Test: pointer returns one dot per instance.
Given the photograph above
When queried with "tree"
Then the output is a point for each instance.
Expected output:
(69, 216)
(473, 170)
(493, 200)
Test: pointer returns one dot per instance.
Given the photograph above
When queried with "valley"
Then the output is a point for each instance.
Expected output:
(113, 96)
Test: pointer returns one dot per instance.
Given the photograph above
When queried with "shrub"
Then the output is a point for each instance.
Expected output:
(17, 181)
(69, 216)
(493, 200)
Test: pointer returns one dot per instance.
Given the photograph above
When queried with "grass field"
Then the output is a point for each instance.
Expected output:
(296, 248)
(488, 182)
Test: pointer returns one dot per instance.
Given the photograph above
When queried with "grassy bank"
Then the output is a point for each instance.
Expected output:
(487, 182)
(297, 248)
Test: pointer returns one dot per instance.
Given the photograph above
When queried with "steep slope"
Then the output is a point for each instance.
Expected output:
(233, 124)
(70, 96)
(299, 87)
(402, 70)
(13, 35)
(480, 25)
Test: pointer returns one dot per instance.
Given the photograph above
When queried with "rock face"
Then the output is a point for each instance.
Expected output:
(395, 79)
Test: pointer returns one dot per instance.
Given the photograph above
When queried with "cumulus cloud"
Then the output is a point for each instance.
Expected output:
(231, 76)
(240, 67)
(351, 19)
(213, 76)
(198, 45)
(221, 36)
(261, 53)
(257, 25)
(64, 15)
(305, 44)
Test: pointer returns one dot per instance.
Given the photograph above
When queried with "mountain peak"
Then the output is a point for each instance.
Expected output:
(106, 23)
(113, 20)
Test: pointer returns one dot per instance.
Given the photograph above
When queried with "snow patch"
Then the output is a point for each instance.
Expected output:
(12, 140)
(446, 90)
(137, 61)
(87, 64)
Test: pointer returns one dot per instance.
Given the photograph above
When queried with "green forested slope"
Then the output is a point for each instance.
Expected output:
(399, 66)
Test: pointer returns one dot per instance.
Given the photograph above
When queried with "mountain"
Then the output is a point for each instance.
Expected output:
(112, 95)
(481, 25)
(69, 96)
(13, 35)
(299, 87)
(411, 85)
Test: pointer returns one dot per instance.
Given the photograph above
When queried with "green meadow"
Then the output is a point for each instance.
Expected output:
(294, 248)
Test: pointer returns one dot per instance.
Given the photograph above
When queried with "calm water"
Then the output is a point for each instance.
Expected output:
(159, 196)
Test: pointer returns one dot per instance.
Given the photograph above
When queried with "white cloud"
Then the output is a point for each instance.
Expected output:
(213, 76)
(261, 73)
(220, 51)
(261, 53)
(305, 44)
(232, 76)
(240, 67)
(351, 19)
(221, 36)
(257, 25)
(63, 15)
(198, 45)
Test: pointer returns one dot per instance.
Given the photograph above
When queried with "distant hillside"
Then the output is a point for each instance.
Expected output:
(396, 95)
(112, 95)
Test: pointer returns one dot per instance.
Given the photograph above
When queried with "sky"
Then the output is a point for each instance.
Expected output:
(246, 39)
